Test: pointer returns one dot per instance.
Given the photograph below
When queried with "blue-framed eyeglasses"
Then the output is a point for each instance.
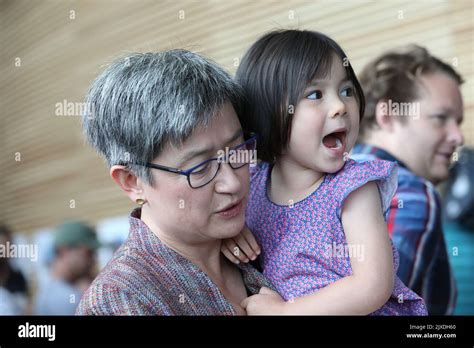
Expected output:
(204, 172)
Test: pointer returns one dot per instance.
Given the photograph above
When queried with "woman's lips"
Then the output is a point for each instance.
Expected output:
(232, 211)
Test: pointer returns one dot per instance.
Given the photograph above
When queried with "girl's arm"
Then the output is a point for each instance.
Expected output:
(372, 281)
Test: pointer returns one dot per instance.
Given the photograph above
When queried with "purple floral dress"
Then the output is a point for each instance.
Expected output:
(303, 244)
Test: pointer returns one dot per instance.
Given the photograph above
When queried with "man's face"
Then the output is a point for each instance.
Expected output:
(80, 260)
(426, 143)
(195, 215)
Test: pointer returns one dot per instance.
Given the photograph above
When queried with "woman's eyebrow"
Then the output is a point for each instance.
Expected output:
(199, 152)
(192, 154)
(236, 136)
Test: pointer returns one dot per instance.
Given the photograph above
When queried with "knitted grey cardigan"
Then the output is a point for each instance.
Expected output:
(145, 277)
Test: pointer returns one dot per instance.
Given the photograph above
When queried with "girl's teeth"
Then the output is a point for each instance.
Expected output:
(338, 143)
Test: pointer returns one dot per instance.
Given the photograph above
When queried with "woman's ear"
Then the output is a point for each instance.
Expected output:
(382, 116)
(127, 181)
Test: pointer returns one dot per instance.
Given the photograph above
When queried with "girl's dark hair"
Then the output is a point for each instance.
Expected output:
(274, 74)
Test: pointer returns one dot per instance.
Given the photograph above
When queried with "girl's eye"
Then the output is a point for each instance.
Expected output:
(315, 95)
(348, 92)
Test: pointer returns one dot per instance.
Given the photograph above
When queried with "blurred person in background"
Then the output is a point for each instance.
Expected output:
(72, 270)
(13, 285)
(413, 114)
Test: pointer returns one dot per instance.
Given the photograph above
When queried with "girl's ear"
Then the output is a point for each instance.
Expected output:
(382, 116)
(127, 181)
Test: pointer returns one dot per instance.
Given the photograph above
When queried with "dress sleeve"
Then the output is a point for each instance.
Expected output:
(356, 174)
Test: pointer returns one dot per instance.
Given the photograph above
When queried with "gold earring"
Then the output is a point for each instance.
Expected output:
(140, 201)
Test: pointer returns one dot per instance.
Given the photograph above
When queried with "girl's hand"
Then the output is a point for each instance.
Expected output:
(241, 248)
(266, 302)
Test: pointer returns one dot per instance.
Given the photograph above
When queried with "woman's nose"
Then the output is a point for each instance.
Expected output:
(227, 180)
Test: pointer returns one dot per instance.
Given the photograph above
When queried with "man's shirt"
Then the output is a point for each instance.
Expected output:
(414, 224)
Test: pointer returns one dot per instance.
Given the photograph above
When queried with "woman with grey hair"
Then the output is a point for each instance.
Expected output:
(159, 119)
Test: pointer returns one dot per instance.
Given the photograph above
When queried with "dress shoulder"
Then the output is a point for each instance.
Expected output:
(356, 174)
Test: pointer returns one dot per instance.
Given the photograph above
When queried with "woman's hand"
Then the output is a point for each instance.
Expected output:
(266, 302)
(241, 248)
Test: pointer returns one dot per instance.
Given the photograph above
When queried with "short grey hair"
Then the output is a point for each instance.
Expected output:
(143, 101)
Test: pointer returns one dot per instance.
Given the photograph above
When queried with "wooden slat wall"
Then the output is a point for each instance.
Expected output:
(60, 56)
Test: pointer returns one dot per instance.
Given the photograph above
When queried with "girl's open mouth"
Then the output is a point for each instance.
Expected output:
(335, 140)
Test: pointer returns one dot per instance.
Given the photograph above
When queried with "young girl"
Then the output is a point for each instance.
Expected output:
(318, 215)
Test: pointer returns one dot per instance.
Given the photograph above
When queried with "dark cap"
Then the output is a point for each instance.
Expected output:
(75, 233)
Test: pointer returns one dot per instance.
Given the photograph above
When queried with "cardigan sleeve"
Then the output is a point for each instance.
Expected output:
(105, 299)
